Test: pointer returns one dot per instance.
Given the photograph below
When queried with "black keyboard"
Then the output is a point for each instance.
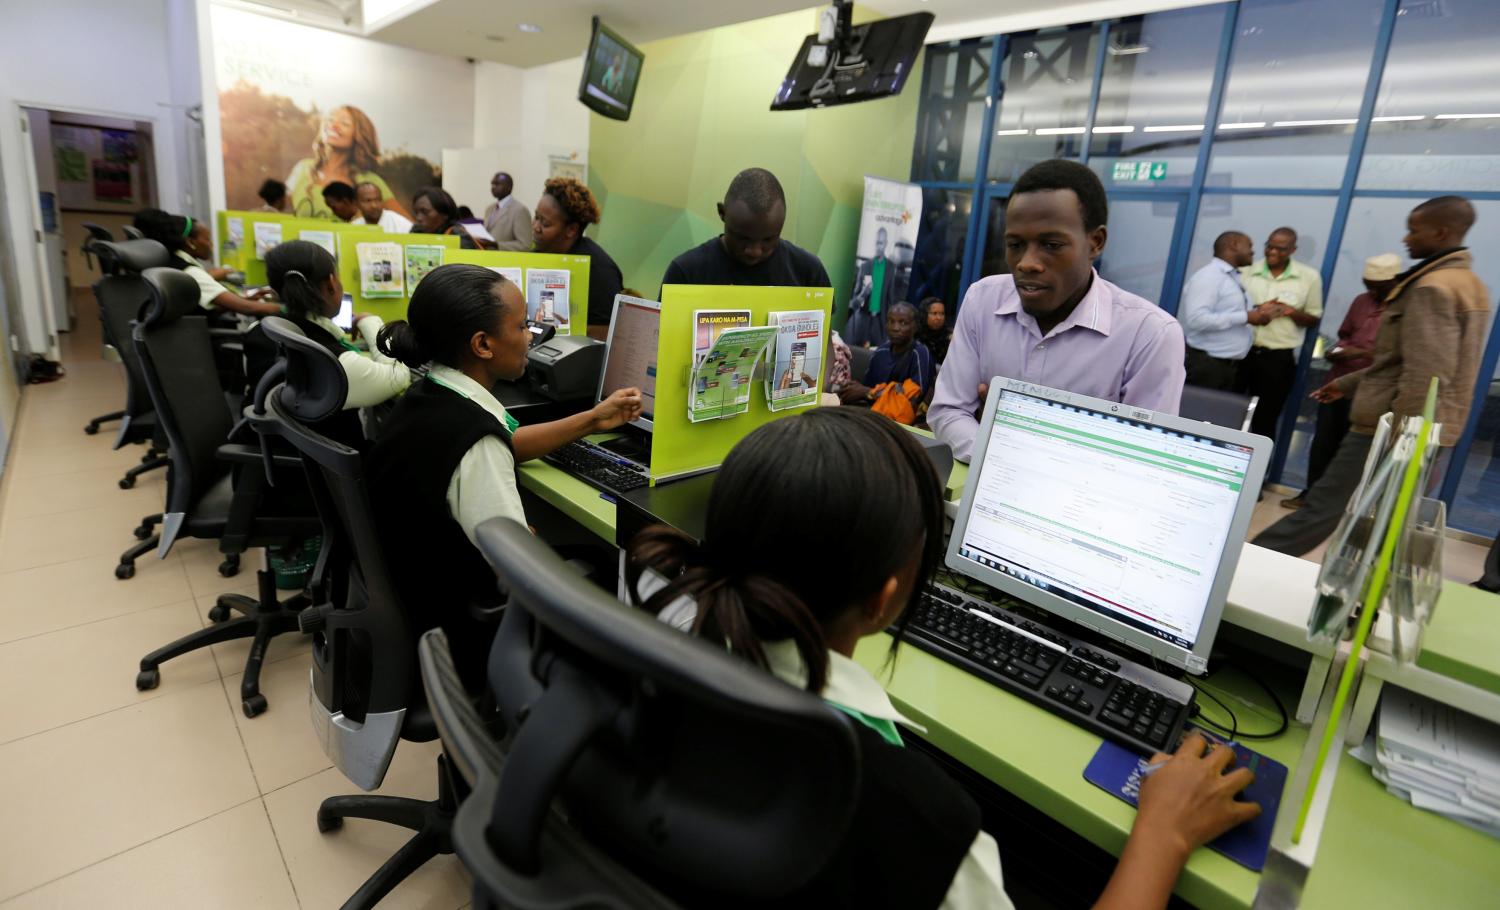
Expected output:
(1121, 701)
(597, 467)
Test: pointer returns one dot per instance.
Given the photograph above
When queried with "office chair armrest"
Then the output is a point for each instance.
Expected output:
(242, 454)
(233, 347)
(218, 335)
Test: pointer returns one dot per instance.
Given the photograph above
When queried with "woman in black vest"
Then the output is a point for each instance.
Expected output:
(915, 841)
(305, 279)
(445, 459)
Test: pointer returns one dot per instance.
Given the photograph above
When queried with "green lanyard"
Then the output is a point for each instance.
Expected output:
(886, 729)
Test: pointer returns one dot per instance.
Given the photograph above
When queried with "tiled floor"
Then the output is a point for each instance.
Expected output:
(111, 797)
(170, 798)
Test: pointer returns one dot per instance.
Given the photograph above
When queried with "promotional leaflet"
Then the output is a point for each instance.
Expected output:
(234, 235)
(420, 259)
(709, 324)
(379, 269)
(267, 235)
(720, 383)
(796, 359)
(511, 274)
(323, 239)
(547, 295)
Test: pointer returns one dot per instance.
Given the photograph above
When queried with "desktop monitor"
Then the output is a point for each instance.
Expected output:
(630, 353)
(611, 69)
(1125, 521)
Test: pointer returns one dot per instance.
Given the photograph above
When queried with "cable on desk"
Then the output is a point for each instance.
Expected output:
(1234, 724)
(1275, 700)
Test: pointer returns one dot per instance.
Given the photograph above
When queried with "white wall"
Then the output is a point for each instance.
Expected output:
(536, 113)
(92, 56)
(1044, 15)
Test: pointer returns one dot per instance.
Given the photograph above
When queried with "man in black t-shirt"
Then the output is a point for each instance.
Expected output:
(750, 251)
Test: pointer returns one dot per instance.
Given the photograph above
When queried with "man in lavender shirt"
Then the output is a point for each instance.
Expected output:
(1053, 321)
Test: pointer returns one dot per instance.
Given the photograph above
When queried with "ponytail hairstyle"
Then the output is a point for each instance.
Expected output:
(748, 579)
(296, 271)
(452, 303)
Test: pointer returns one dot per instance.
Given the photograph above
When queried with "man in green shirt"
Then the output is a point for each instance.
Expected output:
(874, 292)
(1294, 292)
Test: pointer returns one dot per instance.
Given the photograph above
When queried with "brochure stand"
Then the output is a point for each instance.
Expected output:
(680, 446)
(237, 232)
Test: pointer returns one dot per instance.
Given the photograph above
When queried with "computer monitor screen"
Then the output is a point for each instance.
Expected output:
(1122, 520)
(630, 357)
(345, 318)
(611, 69)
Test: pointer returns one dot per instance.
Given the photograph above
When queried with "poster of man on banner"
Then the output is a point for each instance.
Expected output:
(882, 259)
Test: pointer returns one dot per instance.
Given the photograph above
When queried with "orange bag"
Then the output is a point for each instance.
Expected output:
(894, 400)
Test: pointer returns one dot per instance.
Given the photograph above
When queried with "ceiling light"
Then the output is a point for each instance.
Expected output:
(1401, 119)
(1312, 123)
(1060, 131)
(1013, 132)
(1175, 128)
(1114, 129)
(1258, 124)
(530, 28)
(1128, 50)
(1466, 116)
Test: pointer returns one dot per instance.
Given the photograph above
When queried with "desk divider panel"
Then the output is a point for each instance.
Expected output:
(577, 268)
(678, 445)
(387, 308)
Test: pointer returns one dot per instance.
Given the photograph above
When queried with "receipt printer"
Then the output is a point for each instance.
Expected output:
(566, 367)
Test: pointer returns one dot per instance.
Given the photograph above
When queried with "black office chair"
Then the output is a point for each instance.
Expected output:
(122, 295)
(132, 232)
(215, 490)
(1218, 407)
(366, 694)
(633, 745)
(95, 232)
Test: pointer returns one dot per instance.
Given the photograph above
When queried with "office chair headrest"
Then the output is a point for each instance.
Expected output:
(130, 255)
(315, 385)
(655, 689)
(132, 232)
(98, 231)
(174, 294)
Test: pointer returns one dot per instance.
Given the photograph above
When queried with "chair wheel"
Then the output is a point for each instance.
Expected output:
(255, 704)
(124, 570)
(328, 822)
(127, 482)
(92, 429)
(142, 532)
(147, 679)
(229, 569)
(219, 613)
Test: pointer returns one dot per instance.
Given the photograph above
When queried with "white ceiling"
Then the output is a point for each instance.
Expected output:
(462, 28)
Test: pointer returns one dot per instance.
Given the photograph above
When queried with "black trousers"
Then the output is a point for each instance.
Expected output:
(1310, 525)
(1333, 424)
(1204, 369)
(1270, 375)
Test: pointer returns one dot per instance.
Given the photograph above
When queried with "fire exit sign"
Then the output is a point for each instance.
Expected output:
(1140, 171)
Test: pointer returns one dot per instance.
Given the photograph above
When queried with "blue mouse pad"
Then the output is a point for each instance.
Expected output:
(1117, 771)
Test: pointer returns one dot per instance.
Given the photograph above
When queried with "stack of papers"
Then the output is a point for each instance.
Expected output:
(1438, 758)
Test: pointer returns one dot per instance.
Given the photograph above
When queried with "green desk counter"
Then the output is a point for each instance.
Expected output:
(1463, 640)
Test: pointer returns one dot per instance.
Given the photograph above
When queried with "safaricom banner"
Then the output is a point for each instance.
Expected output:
(882, 259)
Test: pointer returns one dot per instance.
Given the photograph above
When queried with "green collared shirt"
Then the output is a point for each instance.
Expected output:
(1298, 286)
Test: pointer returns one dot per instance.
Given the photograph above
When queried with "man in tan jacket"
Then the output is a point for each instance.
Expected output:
(507, 219)
(1434, 324)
